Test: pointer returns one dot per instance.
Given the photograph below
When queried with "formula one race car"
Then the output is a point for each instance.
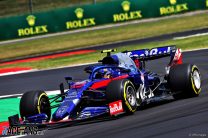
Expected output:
(119, 84)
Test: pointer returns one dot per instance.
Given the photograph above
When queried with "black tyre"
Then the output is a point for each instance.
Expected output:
(34, 102)
(122, 90)
(185, 81)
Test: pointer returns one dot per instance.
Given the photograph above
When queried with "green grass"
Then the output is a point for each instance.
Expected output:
(85, 39)
(18, 7)
(184, 44)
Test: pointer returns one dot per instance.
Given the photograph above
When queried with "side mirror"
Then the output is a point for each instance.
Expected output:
(61, 86)
(67, 80)
(88, 69)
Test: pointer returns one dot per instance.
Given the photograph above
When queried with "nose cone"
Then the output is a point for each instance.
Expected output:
(66, 108)
(60, 113)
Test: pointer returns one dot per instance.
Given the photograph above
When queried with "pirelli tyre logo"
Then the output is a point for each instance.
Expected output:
(127, 15)
(174, 8)
(32, 29)
(81, 21)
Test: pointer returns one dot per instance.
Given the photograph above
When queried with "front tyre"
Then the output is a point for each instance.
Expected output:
(122, 90)
(34, 102)
(185, 81)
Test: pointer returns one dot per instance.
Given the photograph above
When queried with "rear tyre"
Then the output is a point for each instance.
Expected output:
(34, 102)
(185, 81)
(122, 90)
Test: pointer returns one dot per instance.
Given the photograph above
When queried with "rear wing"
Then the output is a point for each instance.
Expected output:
(150, 54)
(158, 52)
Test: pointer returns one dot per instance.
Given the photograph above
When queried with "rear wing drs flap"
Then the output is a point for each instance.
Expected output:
(150, 54)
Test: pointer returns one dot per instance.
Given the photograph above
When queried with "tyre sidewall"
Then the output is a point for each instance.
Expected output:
(181, 81)
(195, 91)
(116, 90)
(30, 103)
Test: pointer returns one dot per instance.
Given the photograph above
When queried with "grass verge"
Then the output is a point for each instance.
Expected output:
(85, 39)
(184, 44)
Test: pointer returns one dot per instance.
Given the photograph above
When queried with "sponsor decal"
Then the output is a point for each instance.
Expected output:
(32, 29)
(158, 51)
(61, 110)
(72, 95)
(79, 13)
(31, 20)
(116, 107)
(173, 8)
(81, 22)
(85, 114)
(151, 52)
(177, 55)
(177, 59)
(126, 6)
(127, 14)
(172, 2)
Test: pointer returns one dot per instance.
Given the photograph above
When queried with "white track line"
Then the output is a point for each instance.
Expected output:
(16, 136)
(19, 95)
(17, 72)
(190, 36)
(12, 95)
(35, 70)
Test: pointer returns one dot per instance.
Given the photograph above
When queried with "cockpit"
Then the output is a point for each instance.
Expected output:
(112, 66)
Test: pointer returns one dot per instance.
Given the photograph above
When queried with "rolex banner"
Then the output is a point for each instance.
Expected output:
(92, 15)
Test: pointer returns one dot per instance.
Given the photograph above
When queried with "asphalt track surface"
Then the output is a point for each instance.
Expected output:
(182, 118)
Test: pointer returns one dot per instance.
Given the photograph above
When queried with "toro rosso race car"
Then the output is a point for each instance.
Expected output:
(118, 85)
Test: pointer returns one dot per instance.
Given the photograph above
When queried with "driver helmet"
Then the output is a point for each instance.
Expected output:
(105, 73)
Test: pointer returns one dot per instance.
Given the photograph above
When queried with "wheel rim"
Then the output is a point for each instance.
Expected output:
(130, 95)
(44, 105)
(197, 80)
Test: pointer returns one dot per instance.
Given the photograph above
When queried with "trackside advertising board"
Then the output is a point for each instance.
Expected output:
(92, 15)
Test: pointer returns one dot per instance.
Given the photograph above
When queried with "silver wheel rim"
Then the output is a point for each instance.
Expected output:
(197, 80)
(130, 95)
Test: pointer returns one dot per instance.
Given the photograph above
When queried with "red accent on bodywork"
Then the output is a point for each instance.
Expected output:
(78, 85)
(177, 59)
(137, 63)
(116, 107)
(106, 82)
